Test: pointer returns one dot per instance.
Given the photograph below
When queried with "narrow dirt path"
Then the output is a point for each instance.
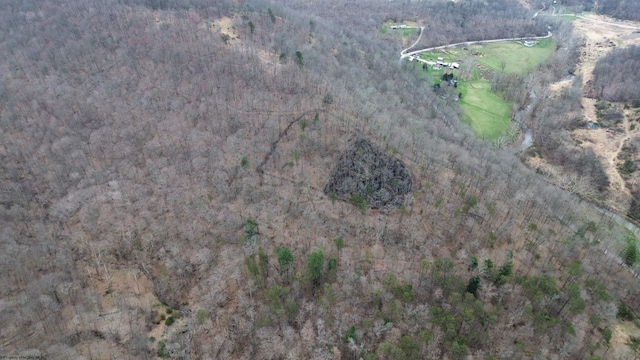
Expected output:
(414, 44)
(627, 136)
(544, 6)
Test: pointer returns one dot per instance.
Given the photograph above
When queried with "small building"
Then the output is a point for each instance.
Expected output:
(528, 43)
(454, 65)
(440, 59)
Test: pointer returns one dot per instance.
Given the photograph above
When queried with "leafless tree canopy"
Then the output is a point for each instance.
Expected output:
(166, 171)
(616, 76)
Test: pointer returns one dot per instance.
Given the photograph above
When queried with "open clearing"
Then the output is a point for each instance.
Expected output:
(515, 57)
(411, 32)
(488, 114)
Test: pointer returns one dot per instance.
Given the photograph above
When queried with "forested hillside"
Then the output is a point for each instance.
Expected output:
(445, 22)
(255, 180)
(622, 9)
(616, 77)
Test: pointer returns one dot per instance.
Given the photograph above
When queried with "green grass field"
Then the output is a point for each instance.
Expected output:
(515, 57)
(487, 114)
(386, 28)
(410, 32)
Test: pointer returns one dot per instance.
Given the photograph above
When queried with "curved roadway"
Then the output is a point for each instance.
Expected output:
(404, 53)
(415, 43)
(537, 12)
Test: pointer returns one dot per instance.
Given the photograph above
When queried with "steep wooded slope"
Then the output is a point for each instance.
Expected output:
(131, 140)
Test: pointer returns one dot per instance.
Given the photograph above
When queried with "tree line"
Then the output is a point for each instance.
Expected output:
(616, 75)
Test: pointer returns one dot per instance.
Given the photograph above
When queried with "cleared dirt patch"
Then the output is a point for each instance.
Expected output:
(225, 26)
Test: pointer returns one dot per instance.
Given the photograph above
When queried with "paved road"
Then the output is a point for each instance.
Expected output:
(405, 54)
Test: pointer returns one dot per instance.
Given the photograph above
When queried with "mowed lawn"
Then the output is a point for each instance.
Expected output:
(488, 114)
(515, 57)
